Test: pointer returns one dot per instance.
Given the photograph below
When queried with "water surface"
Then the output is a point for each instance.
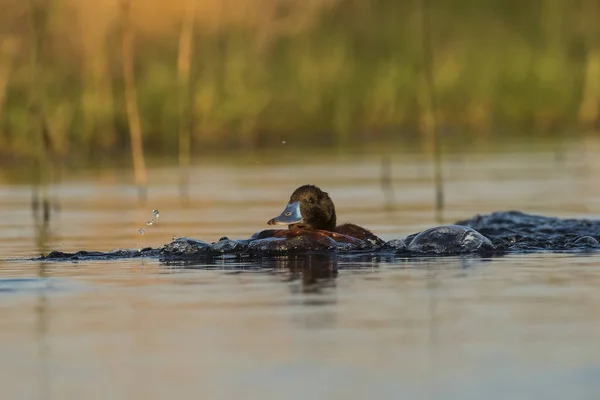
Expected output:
(521, 326)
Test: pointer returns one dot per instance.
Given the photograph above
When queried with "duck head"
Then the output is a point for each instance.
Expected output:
(309, 207)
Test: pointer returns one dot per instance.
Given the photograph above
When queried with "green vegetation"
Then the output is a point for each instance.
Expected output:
(250, 73)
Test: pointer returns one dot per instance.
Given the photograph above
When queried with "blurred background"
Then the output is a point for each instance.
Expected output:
(82, 79)
(125, 123)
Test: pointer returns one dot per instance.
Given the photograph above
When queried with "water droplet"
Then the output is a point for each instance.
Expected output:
(283, 142)
(142, 231)
(150, 222)
(155, 213)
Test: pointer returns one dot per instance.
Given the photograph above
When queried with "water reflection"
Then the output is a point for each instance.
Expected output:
(314, 272)
(41, 330)
(386, 183)
(313, 279)
(41, 209)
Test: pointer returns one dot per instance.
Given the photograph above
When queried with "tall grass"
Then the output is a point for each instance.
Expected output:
(313, 71)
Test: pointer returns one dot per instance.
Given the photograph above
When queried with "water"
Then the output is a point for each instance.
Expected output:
(521, 326)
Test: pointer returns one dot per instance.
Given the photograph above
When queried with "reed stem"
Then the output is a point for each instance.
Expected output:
(431, 111)
(131, 102)
(183, 69)
(589, 108)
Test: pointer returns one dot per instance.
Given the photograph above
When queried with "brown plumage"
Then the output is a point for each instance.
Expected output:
(311, 208)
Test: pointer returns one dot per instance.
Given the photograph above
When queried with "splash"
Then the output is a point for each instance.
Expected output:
(150, 222)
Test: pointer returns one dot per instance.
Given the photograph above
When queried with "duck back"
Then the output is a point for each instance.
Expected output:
(358, 232)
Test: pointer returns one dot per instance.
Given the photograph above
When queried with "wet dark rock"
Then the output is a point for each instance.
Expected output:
(395, 244)
(493, 234)
(99, 255)
(186, 246)
(229, 246)
(515, 231)
(449, 239)
(585, 241)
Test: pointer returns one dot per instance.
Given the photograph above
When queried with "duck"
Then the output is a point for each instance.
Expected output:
(311, 209)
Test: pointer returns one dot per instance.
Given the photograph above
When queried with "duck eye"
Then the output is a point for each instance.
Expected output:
(311, 200)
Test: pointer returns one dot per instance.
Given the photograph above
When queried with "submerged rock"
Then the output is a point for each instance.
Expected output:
(99, 255)
(229, 246)
(449, 239)
(395, 244)
(585, 241)
(515, 231)
(186, 246)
